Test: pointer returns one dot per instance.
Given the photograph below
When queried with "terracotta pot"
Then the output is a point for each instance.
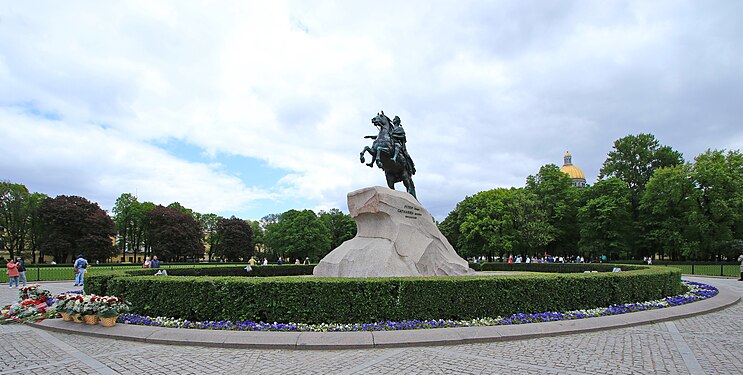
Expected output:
(77, 318)
(109, 322)
(90, 319)
(66, 317)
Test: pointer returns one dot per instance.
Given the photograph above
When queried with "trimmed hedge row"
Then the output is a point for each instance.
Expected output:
(325, 300)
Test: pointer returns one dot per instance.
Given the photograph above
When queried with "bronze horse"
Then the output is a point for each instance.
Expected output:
(387, 152)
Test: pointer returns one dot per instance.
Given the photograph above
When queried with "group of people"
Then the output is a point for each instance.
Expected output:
(16, 272)
(546, 259)
(279, 261)
(154, 263)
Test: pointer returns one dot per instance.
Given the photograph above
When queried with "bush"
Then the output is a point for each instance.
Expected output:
(347, 300)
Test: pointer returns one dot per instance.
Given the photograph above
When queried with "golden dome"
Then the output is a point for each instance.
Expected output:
(571, 170)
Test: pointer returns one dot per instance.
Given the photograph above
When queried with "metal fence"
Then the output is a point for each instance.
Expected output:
(725, 270)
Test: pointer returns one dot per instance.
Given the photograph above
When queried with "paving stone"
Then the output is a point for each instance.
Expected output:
(715, 341)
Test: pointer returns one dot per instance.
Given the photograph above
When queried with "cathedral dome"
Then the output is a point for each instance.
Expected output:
(575, 173)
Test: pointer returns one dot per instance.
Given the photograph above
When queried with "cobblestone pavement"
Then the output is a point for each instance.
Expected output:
(705, 344)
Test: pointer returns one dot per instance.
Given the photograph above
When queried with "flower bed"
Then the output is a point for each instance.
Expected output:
(697, 292)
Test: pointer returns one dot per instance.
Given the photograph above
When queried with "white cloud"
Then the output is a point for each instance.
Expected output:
(488, 92)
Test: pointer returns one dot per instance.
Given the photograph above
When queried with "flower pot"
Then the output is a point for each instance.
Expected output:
(108, 322)
(90, 319)
(77, 318)
(66, 317)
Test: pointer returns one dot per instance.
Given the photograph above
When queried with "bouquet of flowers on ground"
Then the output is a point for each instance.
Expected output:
(35, 305)
(111, 306)
(63, 302)
(33, 291)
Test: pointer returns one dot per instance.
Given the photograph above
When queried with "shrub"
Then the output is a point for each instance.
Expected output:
(348, 300)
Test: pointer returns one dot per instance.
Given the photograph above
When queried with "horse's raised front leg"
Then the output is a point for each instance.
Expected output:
(371, 152)
(378, 158)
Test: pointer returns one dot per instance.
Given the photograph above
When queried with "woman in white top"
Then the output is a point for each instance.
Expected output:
(146, 263)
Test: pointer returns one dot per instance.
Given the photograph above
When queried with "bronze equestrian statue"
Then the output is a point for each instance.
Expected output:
(390, 153)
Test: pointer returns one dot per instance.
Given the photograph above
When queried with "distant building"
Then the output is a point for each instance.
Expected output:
(575, 173)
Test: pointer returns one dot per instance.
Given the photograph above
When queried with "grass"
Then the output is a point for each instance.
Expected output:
(34, 273)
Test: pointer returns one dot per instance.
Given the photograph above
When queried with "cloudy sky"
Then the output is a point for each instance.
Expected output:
(250, 108)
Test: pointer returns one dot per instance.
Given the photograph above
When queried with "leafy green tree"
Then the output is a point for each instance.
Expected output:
(342, 227)
(142, 223)
(35, 226)
(531, 230)
(209, 223)
(558, 199)
(257, 231)
(236, 239)
(634, 160)
(298, 234)
(605, 220)
(14, 215)
(482, 225)
(666, 207)
(179, 207)
(75, 225)
(719, 221)
(174, 235)
(125, 216)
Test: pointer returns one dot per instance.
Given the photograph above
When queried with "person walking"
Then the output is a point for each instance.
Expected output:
(21, 270)
(147, 262)
(740, 259)
(81, 266)
(12, 273)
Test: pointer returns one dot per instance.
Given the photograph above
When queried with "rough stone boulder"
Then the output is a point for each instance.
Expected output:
(396, 237)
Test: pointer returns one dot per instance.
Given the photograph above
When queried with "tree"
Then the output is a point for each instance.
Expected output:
(236, 239)
(174, 235)
(556, 196)
(125, 217)
(209, 223)
(179, 207)
(531, 231)
(257, 231)
(298, 234)
(719, 221)
(634, 160)
(342, 227)
(666, 207)
(36, 228)
(75, 225)
(605, 220)
(14, 212)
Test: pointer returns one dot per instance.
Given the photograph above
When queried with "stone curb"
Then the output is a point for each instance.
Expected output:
(386, 339)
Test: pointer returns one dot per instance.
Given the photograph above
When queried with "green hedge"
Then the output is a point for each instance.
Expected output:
(346, 300)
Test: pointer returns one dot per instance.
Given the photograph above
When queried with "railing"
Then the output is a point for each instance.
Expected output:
(729, 270)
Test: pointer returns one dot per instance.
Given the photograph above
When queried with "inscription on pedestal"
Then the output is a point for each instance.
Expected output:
(410, 212)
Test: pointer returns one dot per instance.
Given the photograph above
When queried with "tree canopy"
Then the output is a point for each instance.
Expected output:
(236, 239)
(75, 226)
(174, 235)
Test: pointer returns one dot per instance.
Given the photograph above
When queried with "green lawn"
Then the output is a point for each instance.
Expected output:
(34, 273)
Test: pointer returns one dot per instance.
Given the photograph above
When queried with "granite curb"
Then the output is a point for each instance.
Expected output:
(385, 339)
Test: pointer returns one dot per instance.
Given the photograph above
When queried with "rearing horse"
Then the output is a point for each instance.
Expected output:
(386, 153)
